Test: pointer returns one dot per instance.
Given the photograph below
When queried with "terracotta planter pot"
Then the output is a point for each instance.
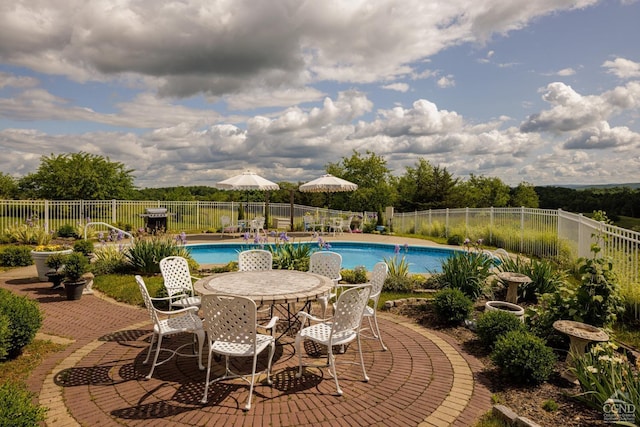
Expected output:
(40, 258)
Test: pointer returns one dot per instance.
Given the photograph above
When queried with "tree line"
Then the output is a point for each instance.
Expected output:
(75, 176)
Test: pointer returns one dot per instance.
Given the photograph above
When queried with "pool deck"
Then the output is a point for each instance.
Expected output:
(424, 379)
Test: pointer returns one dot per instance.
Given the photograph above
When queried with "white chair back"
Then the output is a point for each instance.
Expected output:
(349, 311)
(255, 260)
(378, 276)
(176, 275)
(326, 263)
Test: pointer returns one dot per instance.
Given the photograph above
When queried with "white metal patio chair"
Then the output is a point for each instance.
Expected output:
(378, 276)
(341, 329)
(226, 224)
(177, 321)
(255, 260)
(256, 225)
(231, 326)
(178, 282)
(328, 264)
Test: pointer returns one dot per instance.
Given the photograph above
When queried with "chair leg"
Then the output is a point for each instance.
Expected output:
(364, 372)
(206, 384)
(153, 340)
(247, 406)
(298, 348)
(376, 331)
(201, 338)
(155, 358)
(332, 366)
(272, 351)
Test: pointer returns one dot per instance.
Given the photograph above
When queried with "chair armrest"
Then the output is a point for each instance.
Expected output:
(271, 324)
(179, 311)
(310, 317)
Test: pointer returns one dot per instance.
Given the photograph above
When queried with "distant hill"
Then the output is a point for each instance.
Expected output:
(632, 185)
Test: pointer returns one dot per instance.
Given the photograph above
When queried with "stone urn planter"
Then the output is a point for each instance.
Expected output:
(40, 260)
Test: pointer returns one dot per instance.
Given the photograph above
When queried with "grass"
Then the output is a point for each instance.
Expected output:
(123, 288)
(491, 420)
(18, 370)
(628, 334)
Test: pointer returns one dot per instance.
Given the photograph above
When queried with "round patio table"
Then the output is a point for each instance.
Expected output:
(283, 288)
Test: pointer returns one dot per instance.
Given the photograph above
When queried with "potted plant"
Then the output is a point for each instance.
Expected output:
(84, 247)
(40, 254)
(55, 262)
(75, 266)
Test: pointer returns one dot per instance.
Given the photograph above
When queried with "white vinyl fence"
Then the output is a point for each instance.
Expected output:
(540, 232)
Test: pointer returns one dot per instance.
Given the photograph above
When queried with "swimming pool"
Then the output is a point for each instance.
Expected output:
(421, 259)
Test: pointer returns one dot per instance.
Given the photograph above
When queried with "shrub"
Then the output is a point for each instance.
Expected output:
(16, 256)
(18, 409)
(523, 358)
(493, 324)
(85, 247)
(28, 233)
(55, 261)
(455, 240)
(452, 306)
(24, 317)
(68, 230)
(75, 265)
(355, 276)
(467, 271)
(5, 335)
(400, 284)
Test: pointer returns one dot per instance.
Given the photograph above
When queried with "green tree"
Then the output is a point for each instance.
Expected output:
(78, 176)
(370, 172)
(482, 192)
(8, 186)
(524, 195)
(425, 187)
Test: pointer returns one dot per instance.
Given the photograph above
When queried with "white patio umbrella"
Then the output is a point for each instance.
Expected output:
(247, 181)
(328, 184)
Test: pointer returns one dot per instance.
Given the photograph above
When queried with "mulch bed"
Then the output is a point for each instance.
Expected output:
(526, 401)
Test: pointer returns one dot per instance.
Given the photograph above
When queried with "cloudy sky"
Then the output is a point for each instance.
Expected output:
(190, 92)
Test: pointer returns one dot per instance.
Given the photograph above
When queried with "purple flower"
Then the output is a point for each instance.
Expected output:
(245, 236)
(396, 249)
(406, 247)
(256, 238)
(327, 246)
(272, 233)
(467, 241)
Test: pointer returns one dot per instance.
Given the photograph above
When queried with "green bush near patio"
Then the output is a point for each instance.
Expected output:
(16, 256)
(494, 324)
(452, 306)
(18, 409)
(24, 319)
(523, 358)
(145, 255)
(355, 276)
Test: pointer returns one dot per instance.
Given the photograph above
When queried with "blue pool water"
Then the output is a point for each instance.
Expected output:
(422, 259)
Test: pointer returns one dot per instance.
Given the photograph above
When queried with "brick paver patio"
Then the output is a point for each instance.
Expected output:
(98, 380)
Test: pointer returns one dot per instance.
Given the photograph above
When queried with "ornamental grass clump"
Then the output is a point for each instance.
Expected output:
(523, 358)
(467, 271)
(145, 255)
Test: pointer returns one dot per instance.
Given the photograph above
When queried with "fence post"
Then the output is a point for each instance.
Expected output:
(446, 223)
(198, 215)
(522, 229)
(466, 222)
(491, 226)
(46, 216)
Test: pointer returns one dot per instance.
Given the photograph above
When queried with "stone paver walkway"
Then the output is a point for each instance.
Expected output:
(98, 380)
